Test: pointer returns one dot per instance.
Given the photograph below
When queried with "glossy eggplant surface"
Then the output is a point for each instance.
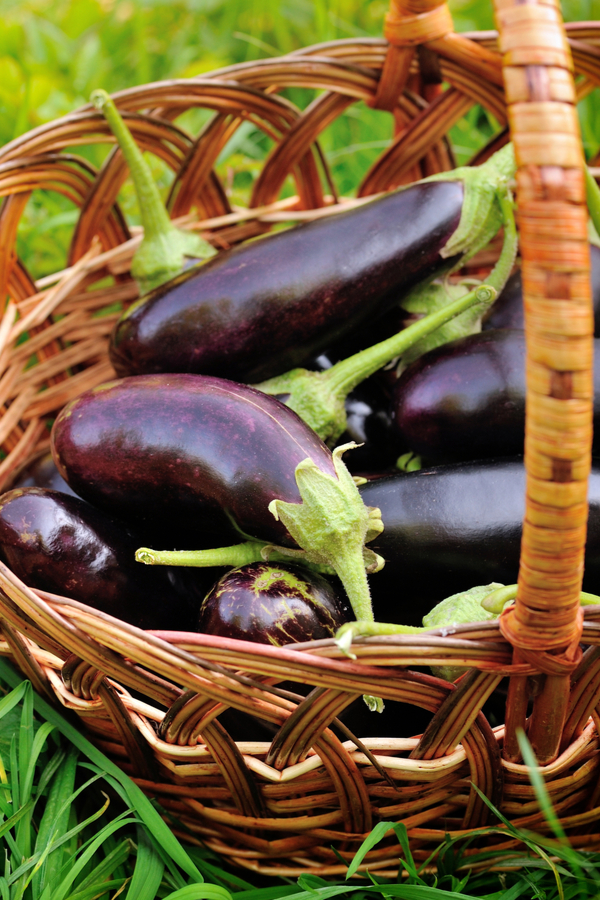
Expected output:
(466, 399)
(201, 455)
(269, 305)
(449, 528)
(59, 543)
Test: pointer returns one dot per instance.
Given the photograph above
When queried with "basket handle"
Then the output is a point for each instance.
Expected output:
(544, 626)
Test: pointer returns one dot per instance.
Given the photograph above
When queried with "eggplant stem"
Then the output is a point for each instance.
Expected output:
(236, 555)
(344, 376)
(501, 271)
(156, 220)
(318, 397)
(164, 247)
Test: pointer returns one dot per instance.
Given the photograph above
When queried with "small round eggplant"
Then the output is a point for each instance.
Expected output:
(450, 527)
(466, 399)
(198, 454)
(272, 604)
(58, 543)
(268, 306)
(507, 310)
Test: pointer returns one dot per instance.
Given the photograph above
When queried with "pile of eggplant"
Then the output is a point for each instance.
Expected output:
(218, 461)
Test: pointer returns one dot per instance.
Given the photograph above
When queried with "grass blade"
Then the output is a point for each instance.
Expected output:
(148, 871)
(539, 786)
(55, 821)
(135, 796)
(378, 833)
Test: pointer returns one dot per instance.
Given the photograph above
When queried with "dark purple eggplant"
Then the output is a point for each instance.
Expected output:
(369, 424)
(222, 461)
(448, 528)
(268, 306)
(194, 452)
(466, 399)
(507, 310)
(58, 543)
(272, 604)
(42, 472)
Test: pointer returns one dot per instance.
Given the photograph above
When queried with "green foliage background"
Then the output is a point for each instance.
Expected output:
(53, 53)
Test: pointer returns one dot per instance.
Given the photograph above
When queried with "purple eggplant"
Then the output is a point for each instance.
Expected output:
(272, 604)
(450, 527)
(508, 312)
(466, 399)
(58, 543)
(220, 460)
(199, 453)
(268, 306)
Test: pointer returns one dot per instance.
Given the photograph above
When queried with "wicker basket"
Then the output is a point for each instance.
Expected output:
(305, 798)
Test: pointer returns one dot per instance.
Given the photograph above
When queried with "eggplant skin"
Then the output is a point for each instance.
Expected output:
(449, 528)
(272, 604)
(203, 456)
(269, 305)
(466, 399)
(58, 543)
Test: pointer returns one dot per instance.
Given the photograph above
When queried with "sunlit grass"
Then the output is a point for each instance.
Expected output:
(54, 53)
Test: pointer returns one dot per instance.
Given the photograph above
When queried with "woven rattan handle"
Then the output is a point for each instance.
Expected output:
(545, 624)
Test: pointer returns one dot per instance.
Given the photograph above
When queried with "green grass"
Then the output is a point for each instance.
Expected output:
(54, 53)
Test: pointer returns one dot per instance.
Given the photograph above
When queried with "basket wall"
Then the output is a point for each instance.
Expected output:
(279, 800)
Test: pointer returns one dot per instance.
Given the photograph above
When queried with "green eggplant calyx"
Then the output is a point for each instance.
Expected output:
(439, 295)
(332, 524)
(481, 213)
(318, 397)
(164, 247)
(461, 608)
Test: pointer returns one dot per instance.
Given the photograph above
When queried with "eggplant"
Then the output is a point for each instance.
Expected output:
(450, 527)
(220, 460)
(271, 304)
(272, 604)
(199, 454)
(58, 543)
(466, 399)
(508, 312)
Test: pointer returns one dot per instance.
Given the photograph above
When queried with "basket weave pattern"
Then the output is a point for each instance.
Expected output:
(153, 701)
